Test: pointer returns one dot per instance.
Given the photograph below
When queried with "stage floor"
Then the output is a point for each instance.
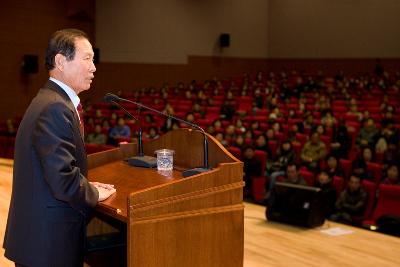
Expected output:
(274, 244)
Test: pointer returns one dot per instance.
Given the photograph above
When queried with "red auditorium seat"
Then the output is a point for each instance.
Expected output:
(235, 152)
(301, 138)
(262, 156)
(327, 141)
(308, 176)
(346, 165)
(370, 188)
(351, 118)
(388, 202)
(297, 149)
(213, 110)
(262, 112)
(338, 184)
(339, 109)
(376, 170)
(258, 188)
(273, 147)
(280, 137)
(264, 126)
(379, 157)
(212, 116)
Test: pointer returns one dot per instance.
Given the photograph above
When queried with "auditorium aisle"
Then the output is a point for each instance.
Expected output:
(273, 244)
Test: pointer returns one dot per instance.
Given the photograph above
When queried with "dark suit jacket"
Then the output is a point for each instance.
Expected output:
(51, 197)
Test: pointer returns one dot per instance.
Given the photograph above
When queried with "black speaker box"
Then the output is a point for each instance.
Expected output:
(296, 205)
(224, 40)
(30, 64)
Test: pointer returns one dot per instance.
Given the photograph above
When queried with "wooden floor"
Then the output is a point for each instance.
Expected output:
(273, 244)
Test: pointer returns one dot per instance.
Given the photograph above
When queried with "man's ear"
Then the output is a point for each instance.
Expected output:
(59, 61)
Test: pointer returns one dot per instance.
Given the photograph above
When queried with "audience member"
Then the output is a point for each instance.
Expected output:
(152, 133)
(313, 151)
(391, 155)
(261, 143)
(351, 203)
(368, 134)
(392, 177)
(341, 142)
(218, 125)
(189, 117)
(239, 142)
(360, 170)
(333, 169)
(328, 193)
(227, 110)
(230, 133)
(239, 126)
(120, 131)
(221, 138)
(98, 137)
(293, 176)
(367, 155)
(251, 167)
(198, 110)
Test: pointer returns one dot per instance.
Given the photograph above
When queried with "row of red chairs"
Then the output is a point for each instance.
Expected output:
(382, 199)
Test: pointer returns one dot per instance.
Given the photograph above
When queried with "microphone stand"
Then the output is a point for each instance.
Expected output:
(185, 173)
(140, 160)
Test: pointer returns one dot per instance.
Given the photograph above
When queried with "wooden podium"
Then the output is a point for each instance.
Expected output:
(171, 220)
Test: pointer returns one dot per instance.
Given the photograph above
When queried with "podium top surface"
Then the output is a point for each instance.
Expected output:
(126, 180)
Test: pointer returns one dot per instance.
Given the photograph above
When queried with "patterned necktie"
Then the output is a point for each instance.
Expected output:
(81, 123)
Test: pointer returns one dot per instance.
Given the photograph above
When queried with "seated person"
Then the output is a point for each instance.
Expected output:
(221, 138)
(333, 168)
(152, 133)
(261, 143)
(367, 154)
(97, 137)
(198, 109)
(119, 131)
(293, 176)
(368, 135)
(328, 192)
(286, 155)
(227, 110)
(313, 151)
(392, 177)
(189, 117)
(341, 142)
(239, 142)
(360, 169)
(251, 167)
(230, 133)
(352, 202)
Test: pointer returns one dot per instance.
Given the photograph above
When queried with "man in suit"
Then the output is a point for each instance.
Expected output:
(51, 196)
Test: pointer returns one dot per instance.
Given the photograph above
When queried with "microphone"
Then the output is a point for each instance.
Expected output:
(140, 160)
(114, 98)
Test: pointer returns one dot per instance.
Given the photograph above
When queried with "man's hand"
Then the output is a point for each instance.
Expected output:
(105, 190)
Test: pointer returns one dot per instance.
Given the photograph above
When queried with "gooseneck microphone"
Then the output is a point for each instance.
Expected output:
(114, 98)
(140, 160)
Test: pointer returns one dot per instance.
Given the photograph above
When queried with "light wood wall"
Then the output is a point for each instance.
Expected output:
(334, 29)
(26, 27)
(141, 44)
